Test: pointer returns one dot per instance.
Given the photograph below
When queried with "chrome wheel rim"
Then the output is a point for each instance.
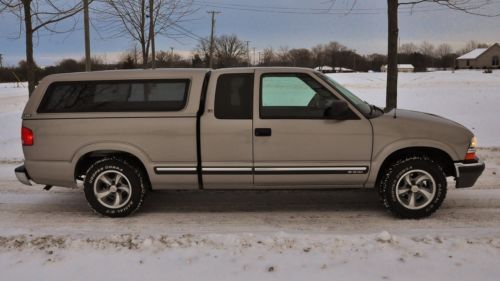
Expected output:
(415, 189)
(112, 189)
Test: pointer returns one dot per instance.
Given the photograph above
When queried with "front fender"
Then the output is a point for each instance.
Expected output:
(381, 154)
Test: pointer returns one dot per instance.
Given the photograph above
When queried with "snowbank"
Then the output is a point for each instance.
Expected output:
(251, 257)
(13, 97)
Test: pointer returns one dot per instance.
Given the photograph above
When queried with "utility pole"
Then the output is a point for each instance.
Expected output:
(1, 60)
(253, 59)
(210, 62)
(152, 33)
(87, 34)
(248, 52)
(135, 54)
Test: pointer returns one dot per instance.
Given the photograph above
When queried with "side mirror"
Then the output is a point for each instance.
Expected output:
(338, 110)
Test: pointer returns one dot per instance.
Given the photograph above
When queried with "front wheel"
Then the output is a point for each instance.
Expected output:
(414, 187)
(114, 188)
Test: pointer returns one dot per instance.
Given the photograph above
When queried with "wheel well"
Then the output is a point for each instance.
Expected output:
(89, 158)
(435, 154)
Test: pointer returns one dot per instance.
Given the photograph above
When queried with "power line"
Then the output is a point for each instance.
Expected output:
(430, 7)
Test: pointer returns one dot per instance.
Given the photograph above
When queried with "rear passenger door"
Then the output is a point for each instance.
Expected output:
(226, 130)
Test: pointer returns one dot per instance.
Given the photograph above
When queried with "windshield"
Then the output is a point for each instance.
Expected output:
(364, 107)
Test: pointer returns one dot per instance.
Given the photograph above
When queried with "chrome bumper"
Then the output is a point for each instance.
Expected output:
(22, 175)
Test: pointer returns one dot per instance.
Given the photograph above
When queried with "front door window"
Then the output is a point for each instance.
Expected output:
(293, 96)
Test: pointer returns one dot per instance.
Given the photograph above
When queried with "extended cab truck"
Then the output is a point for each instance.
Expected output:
(120, 133)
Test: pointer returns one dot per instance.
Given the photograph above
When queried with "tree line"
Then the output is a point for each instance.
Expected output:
(231, 51)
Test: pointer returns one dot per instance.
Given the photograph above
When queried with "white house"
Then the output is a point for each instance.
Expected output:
(481, 58)
(401, 68)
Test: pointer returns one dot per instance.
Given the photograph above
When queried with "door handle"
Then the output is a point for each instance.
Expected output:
(263, 132)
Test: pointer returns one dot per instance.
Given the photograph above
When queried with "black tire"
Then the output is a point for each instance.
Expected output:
(397, 172)
(130, 176)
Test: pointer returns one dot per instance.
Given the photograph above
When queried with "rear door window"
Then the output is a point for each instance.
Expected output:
(234, 96)
(115, 96)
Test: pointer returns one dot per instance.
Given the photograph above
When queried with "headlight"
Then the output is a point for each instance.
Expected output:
(473, 142)
(471, 152)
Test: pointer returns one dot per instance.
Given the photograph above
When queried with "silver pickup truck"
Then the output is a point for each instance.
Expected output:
(119, 134)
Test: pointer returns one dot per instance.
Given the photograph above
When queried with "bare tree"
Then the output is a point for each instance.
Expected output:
(443, 50)
(268, 57)
(133, 18)
(445, 54)
(301, 57)
(408, 48)
(393, 33)
(37, 16)
(230, 50)
(471, 45)
(283, 56)
(427, 49)
(170, 59)
(202, 50)
(466, 6)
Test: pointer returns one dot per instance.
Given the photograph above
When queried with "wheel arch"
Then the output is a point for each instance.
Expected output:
(86, 156)
(436, 154)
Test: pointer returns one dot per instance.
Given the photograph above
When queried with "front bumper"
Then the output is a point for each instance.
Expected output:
(468, 173)
(22, 175)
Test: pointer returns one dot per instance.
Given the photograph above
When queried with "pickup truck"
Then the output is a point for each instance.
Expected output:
(118, 134)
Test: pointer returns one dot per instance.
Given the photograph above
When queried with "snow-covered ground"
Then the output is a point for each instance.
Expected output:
(469, 97)
(257, 235)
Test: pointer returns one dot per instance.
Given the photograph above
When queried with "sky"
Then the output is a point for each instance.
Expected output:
(277, 23)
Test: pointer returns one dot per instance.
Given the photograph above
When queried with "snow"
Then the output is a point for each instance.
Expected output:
(272, 235)
(13, 97)
(474, 54)
(468, 97)
(400, 67)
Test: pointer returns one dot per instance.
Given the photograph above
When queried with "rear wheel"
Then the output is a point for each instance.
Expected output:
(414, 187)
(114, 188)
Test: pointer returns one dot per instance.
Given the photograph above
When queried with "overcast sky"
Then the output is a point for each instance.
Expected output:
(292, 23)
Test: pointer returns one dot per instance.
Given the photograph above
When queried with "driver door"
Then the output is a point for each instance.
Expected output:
(293, 142)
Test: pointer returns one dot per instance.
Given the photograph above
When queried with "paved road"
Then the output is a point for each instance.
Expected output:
(61, 211)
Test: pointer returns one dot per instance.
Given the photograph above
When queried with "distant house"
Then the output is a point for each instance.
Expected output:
(329, 69)
(480, 58)
(324, 69)
(401, 68)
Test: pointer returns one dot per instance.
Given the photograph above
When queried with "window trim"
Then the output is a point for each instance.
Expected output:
(297, 74)
(251, 99)
(44, 100)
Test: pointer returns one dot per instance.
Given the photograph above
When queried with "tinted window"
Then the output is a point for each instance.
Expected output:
(293, 96)
(233, 96)
(114, 96)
